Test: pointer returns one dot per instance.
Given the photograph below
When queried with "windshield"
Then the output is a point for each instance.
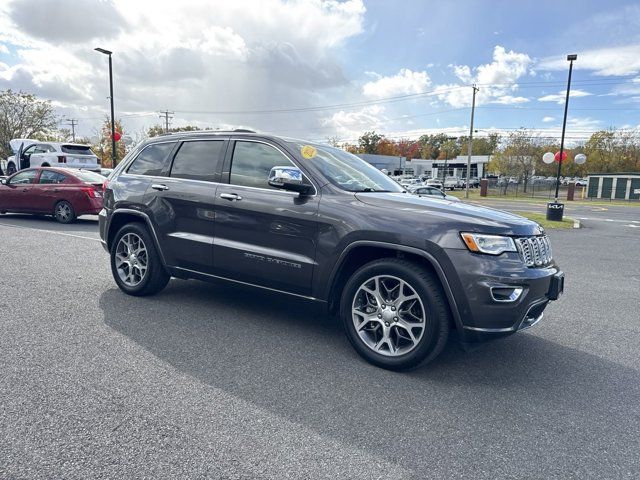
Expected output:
(345, 170)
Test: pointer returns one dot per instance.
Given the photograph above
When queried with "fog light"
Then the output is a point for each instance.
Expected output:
(506, 294)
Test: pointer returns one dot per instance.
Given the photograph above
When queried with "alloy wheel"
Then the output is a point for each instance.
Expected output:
(388, 315)
(131, 259)
(63, 212)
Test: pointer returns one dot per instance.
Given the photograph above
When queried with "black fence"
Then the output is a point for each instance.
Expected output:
(546, 190)
(539, 189)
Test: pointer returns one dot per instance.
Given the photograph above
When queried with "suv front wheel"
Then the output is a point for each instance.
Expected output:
(395, 314)
(135, 263)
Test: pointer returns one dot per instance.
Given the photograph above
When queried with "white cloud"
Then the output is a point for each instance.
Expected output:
(548, 119)
(560, 96)
(350, 125)
(622, 60)
(250, 55)
(404, 82)
(497, 80)
(3, 48)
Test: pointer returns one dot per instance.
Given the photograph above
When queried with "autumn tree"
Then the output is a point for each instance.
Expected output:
(23, 115)
(387, 147)
(408, 148)
(519, 156)
(103, 147)
(431, 145)
(156, 130)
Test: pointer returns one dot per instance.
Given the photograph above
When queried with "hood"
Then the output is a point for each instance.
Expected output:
(466, 216)
(16, 142)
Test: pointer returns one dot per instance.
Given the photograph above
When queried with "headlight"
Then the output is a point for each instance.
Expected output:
(491, 244)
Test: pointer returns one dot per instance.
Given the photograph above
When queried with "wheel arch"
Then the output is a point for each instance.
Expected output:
(361, 252)
(121, 217)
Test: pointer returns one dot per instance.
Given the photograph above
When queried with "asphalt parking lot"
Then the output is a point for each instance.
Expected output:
(226, 382)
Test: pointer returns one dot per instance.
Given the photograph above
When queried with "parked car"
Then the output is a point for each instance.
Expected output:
(582, 182)
(452, 183)
(316, 222)
(32, 153)
(433, 192)
(64, 193)
(434, 182)
(474, 182)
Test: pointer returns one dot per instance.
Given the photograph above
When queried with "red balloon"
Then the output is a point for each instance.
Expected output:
(117, 136)
(557, 156)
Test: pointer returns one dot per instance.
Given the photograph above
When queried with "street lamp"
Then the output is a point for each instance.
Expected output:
(114, 157)
(555, 210)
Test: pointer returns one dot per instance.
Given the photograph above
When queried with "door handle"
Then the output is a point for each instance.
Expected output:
(231, 196)
(159, 187)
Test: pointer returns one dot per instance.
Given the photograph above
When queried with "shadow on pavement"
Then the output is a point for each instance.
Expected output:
(523, 399)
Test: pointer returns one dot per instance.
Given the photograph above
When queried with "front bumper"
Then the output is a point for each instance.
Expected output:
(499, 295)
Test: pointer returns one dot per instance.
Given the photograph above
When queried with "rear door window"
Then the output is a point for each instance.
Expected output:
(49, 177)
(198, 160)
(151, 160)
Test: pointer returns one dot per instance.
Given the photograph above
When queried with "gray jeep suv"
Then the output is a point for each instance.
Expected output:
(313, 221)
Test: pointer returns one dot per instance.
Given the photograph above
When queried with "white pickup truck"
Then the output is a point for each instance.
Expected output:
(33, 153)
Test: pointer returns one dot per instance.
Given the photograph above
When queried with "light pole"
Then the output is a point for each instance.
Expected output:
(114, 156)
(473, 109)
(556, 209)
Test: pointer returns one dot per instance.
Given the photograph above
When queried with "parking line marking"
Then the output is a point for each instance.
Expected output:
(50, 231)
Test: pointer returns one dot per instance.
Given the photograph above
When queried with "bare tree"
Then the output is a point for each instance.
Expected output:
(23, 115)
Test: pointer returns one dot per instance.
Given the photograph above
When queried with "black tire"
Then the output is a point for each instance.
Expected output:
(436, 312)
(63, 212)
(155, 277)
(11, 169)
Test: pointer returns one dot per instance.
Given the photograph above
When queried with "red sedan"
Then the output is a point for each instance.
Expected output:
(65, 193)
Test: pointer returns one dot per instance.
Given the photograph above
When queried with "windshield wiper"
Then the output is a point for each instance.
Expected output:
(369, 189)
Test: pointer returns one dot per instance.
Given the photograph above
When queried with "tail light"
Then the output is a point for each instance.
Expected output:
(91, 192)
(62, 159)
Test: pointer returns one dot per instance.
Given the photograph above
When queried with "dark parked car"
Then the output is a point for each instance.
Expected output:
(64, 193)
(316, 222)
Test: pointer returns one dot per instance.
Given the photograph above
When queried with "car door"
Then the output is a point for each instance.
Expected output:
(48, 190)
(183, 203)
(16, 194)
(263, 235)
(25, 156)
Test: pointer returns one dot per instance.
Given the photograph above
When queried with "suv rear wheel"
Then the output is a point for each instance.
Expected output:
(395, 314)
(135, 263)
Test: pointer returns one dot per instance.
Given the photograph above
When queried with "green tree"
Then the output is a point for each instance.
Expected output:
(23, 115)
(156, 130)
(430, 145)
(368, 142)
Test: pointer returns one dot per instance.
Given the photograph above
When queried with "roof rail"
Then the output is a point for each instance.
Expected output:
(244, 130)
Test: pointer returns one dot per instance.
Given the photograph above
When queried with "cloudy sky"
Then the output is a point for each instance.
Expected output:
(318, 69)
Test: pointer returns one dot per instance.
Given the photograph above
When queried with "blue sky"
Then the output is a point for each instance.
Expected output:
(330, 69)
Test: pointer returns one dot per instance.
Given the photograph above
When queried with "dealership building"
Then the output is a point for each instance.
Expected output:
(455, 167)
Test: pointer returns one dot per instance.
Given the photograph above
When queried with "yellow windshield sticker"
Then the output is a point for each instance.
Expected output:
(308, 152)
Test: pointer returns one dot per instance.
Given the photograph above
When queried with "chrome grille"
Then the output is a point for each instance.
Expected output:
(535, 251)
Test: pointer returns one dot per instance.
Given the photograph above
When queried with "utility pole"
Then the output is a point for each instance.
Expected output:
(73, 122)
(473, 110)
(167, 115)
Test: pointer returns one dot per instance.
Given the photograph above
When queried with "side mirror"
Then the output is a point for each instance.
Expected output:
(289, 178)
